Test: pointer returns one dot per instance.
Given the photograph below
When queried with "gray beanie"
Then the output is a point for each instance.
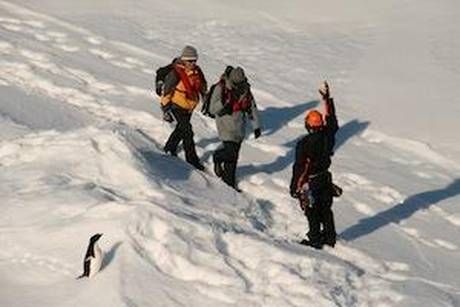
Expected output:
(189, 53)
(237, 75)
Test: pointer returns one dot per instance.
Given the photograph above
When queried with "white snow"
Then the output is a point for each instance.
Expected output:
(80, 153)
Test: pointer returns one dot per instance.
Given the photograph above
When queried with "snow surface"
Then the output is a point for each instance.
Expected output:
(80, 153)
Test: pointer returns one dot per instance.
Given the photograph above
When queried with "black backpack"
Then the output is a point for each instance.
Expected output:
(207, 98)
(207, 101)
(161, 74)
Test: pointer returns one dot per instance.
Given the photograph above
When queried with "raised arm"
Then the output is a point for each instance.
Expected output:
(329, 108)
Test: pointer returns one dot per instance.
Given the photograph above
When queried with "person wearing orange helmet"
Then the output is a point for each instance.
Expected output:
(311, 180)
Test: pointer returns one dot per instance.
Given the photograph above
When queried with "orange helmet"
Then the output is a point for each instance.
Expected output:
(314, 119)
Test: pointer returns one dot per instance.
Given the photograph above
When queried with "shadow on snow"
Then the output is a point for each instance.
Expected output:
(346, 132)
(401, 211)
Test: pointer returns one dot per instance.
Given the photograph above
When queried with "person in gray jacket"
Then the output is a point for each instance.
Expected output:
(232, 104)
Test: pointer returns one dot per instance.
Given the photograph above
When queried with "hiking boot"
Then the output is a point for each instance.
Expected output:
(315, 245)
(329, 242)
(237, 189)
(197, 165)
(170, 152)
(218, 170)
(325, 240)
(234, 187)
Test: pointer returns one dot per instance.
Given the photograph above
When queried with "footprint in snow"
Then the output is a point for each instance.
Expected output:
(423, 175)
(35, 24)
(134, 61)
(258, 179)
(101, 53)
(453, 219)
(94, 40)
(10, 21)
(363, 208)
(67, 48)
(269, 148)
(12, 28)
(280, 183)
(436, 243)
(36, 261)
(122, 64)
(446, 244)
(148, 71)
(56, 35)
(388, 195)
(5, 48)
(385, 194)
(42, 37)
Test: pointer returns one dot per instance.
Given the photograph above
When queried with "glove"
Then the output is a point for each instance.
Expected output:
(167, 117)
(167, 114)
(294, 194)
(336, 190)
(226, 110)
(257, 133)
(159, 88)
(324, 90)
(304, 203)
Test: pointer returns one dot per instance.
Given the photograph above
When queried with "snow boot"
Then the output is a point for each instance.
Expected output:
(315, 245)
(170, 151)
(197, 165)
(218, 170)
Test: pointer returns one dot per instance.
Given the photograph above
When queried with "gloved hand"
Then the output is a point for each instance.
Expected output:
(336, 190)
(324, 90)
(304, 203)
(226, 110)
(167, 113)
(257, 133)
(167, 117)
(294, 193)
(159, 88)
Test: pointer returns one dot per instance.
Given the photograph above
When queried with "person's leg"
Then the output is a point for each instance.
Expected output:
(185, 134)
(229, 173)
(189, 144)
(227, 156)
(176, 136)
(328, 234)
(327, 219)
(313, 234)
(217, 157)
(172, 142)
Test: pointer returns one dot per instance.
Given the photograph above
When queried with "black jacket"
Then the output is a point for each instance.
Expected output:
(313, 151)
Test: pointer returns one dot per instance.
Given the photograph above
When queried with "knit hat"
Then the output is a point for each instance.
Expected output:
(237, 75)
(189, 53)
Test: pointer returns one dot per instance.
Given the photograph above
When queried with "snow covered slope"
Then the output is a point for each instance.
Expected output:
(80, 153)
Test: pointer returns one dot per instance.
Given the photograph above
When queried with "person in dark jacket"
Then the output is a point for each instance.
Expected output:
(232, 104)
(183, 86)
(311, 181)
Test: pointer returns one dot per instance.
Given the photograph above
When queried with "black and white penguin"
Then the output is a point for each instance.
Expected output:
(93, 257)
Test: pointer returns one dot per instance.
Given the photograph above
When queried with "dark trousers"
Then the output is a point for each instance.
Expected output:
(228, 156)
(319, 213)
(183, 132)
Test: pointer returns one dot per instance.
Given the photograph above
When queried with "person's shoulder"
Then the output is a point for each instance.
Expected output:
(173, 72)
(198, 69)
(303, 140)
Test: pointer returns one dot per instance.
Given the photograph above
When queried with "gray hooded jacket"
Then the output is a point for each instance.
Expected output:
(232, 127)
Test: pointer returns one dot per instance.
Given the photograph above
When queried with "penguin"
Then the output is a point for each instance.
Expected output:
(93, 257)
